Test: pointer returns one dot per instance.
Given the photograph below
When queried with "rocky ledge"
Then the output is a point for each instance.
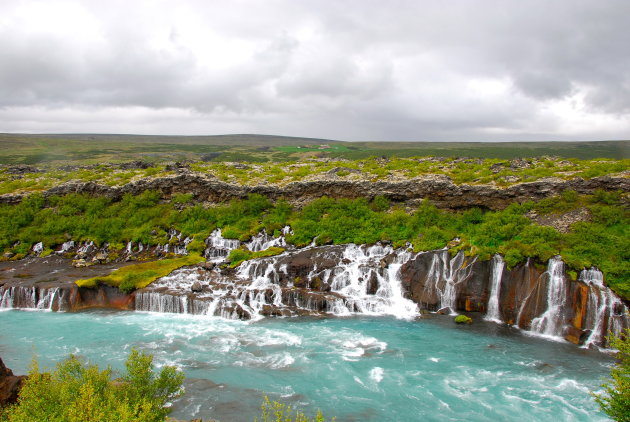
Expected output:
(439, 189)
(9, 385)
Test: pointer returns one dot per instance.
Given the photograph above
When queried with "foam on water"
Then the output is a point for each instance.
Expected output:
(424, 370)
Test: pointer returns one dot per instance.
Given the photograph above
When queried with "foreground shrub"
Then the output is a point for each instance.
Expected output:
(616, 399)
(77, 392)
(279, 412)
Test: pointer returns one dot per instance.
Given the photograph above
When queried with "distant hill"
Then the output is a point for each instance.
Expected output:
(99, 148)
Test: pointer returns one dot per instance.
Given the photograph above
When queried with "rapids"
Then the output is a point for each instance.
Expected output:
(357, 368)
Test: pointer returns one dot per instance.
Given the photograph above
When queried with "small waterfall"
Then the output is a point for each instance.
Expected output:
(606, 313)
(66, 247)
(263, 241)
(38, 248)
(182, 249)
(24, 297)
(551, 322)
(218, 248)
(86, 248)
(493, 313)
(443, 277)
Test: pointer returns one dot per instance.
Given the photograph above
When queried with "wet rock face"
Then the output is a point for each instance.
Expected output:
(10, 385)
(438, 188)
(345, 280)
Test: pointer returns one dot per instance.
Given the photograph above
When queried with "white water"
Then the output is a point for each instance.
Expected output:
(66, 246)
(263, 241)
(257, 286)
(551, 322)
(30, 298)
(444, 276)
(493, 313)
(38, 248)
(605, 312)
(218, 247)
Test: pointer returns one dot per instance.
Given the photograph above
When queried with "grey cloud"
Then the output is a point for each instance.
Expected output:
(356, 69)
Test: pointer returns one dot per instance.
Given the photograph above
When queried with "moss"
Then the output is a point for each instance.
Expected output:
(238, 256)
(141, 275)
(462, 319)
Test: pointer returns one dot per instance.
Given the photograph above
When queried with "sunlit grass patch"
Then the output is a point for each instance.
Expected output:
(139, 276)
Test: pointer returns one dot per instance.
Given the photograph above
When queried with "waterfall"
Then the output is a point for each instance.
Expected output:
(493, 313)
(38, 248)
(66, 246)
(443, 277)
(218, 248)
(605, 312)
(263, 241)
(551, 322)
(361, 282)
(25, 297)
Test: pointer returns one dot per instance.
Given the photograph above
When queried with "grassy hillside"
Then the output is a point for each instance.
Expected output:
(99, 148)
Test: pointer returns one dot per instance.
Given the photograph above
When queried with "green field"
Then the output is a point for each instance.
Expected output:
(60, 149)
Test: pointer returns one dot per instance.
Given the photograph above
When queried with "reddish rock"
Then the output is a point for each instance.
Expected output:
(10, 385)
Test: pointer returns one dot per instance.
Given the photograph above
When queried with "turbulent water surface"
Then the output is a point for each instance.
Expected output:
(359, 369)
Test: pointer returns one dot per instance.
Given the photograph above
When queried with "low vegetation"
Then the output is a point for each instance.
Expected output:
(78, 392)
(615, 400)
(273, 411)
(496, 171)
(237, 256)
(602, 239)
(138, 276)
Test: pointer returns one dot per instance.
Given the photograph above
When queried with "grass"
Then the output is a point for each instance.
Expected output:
(238, 256)
(82, 149)
(141, 275)
(256, 169)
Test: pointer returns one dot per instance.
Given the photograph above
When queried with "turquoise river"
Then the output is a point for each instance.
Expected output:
(358, 369)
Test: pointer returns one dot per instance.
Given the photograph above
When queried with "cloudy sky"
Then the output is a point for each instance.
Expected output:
(340, 69)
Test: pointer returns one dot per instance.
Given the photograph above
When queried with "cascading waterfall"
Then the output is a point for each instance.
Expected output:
(263, 241)
(257, 287)
(551, 322)
(605, 312)
(218, 247)
(493, 313)
(444, 276)
(352, 281)
(24, 297)
(38, 248)
(346, 280)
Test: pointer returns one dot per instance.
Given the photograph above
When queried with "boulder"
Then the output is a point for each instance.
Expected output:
(196, 287)
(10, 385)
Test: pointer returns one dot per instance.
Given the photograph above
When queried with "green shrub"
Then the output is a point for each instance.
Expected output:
(272, 411)
(615, 401)
(77, 392)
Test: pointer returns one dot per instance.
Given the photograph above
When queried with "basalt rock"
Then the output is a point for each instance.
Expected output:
(10, 385)
(438, 188)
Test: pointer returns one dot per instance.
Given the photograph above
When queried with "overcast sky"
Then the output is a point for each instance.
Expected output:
(349, 70)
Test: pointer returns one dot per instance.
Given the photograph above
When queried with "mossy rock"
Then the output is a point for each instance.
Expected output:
(462, 319)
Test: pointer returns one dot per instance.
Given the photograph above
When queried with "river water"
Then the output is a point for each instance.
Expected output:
(358, 368)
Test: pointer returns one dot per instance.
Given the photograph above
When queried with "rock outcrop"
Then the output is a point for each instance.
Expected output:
(10, 385)
(438, 188)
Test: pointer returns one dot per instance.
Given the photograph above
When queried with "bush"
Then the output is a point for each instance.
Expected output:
(616, 399)
(279, 412)
(77, 392)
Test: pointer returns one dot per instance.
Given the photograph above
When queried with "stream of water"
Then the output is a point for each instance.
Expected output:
(356, 368)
